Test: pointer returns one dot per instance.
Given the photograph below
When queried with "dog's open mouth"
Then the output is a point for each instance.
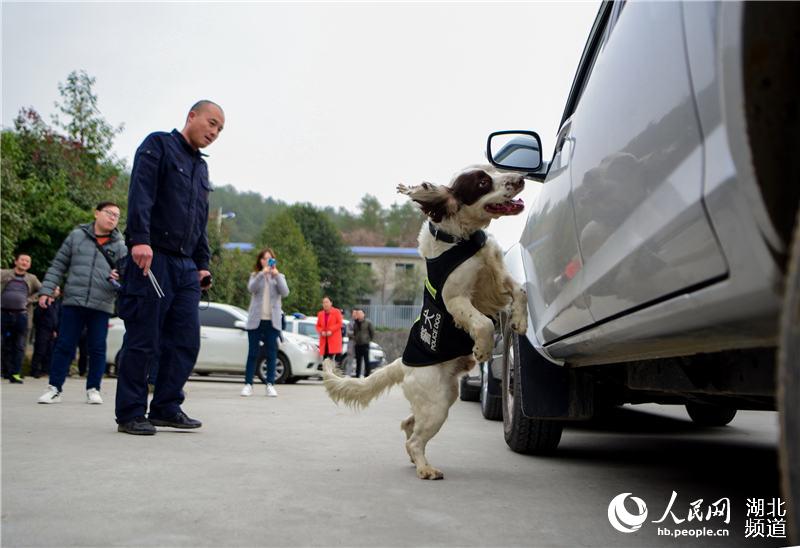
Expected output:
(511, 207)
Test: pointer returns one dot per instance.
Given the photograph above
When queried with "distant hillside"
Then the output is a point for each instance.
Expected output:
(251, 209)
(373, 224)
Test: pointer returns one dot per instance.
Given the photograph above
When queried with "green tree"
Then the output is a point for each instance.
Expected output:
(372, 214)
(12, 215)
(52, 182)
(250, 208)
(338, 269)
(82, 121)
(231, 269)
(296, 260)
(402, 225)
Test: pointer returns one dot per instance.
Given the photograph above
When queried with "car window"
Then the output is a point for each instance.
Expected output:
(214, 317)
(309, 329)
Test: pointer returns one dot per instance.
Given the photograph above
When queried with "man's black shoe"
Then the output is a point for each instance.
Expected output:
(139, 426)
(15, 379)
(180, 420)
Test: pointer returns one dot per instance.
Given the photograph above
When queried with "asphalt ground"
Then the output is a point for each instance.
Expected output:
(298, 470)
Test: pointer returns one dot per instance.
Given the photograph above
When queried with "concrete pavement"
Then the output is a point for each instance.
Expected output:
(299, 471)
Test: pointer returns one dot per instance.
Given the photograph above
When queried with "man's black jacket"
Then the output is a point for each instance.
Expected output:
(168, 198)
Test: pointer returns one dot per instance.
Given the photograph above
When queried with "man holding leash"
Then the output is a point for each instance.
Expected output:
(167, 266)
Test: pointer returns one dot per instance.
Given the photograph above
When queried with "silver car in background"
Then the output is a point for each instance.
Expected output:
(660, 257)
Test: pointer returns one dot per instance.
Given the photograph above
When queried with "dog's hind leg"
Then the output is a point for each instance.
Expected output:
(430, 405)
(407, 426)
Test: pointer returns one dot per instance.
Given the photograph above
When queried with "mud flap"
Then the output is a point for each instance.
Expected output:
(551, 391)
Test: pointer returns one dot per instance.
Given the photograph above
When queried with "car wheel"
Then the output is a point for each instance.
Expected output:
(283, 370)
(467, 392)
(710, 415)
(522, 434)
(491, 394)
(788, 388)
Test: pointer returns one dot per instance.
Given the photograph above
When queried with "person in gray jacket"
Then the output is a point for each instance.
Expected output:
(267, 286)
(86, 258)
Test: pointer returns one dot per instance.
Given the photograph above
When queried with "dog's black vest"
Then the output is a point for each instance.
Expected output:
(434, 337)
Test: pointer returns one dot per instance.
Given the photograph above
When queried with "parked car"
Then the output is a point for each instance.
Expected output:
(480, 384)
(304, 325)
(223, 346)
(663, 251)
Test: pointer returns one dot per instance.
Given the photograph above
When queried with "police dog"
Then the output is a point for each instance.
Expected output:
(473, 293)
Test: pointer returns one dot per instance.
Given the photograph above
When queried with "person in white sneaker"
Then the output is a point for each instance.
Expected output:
(267, 286)
(53, 395)
(87, 258)
(93, 396)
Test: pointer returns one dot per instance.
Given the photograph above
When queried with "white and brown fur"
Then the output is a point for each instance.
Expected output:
(478, 288)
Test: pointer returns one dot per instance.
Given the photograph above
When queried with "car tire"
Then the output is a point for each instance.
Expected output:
(491, 394)
(467, 392)
(710, 415)
(523, 434)
(283, 369)
(788, 390)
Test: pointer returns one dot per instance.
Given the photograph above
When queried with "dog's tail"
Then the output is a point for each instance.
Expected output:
(358, 393)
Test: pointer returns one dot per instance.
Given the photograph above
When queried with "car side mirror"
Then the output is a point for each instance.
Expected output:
(516, 151)
(240, 324)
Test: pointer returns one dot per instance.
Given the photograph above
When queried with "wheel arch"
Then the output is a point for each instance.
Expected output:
(758, 52)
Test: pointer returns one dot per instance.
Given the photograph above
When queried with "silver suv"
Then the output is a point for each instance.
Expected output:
(660, 258)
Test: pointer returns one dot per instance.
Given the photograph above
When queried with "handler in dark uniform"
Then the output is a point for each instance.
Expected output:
(166, 236)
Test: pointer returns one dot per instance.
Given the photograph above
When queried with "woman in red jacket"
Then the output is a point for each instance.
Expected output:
(329, 327)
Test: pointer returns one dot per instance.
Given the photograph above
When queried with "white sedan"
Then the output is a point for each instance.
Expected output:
(308, 327)
(223, 346)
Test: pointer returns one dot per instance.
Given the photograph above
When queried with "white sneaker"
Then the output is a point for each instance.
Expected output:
(51, 396)
(271, 392)
(247, 390)
(93, 396)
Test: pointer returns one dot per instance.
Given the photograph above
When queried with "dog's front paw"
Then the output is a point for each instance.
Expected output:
(519, 323)
(428, 472)
(482, 351)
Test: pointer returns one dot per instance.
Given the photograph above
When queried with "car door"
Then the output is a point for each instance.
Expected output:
(637, 165)
(222, 345)
(551, 255)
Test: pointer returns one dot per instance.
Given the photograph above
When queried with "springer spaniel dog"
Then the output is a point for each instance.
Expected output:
(466, 288)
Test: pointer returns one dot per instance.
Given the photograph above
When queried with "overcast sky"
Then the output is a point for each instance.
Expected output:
(324, 102)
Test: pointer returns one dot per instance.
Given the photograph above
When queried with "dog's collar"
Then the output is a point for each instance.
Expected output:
(442, 236)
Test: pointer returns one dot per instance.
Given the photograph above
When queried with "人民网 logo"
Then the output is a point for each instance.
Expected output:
(621, 519)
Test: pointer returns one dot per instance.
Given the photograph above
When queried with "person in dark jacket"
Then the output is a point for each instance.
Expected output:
(85, 258)
(17, 287)
(363, 333)
(45, 325)
(164, 273)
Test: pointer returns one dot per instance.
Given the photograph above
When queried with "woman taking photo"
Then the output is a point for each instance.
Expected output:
(267, 287)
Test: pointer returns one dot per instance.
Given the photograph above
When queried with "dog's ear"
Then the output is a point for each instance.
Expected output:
(435, 201)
